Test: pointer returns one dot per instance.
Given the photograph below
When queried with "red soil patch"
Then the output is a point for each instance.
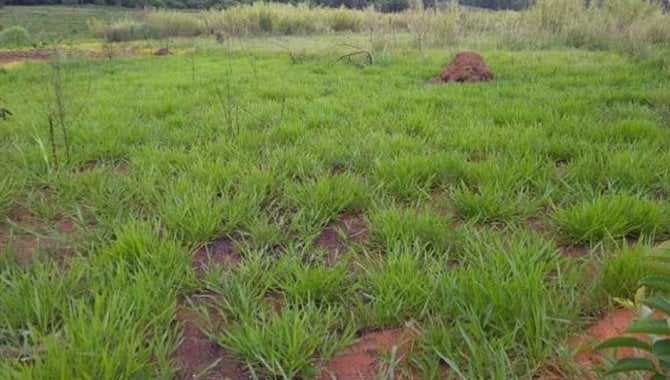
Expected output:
(348, 229)
(29, 234)
(217, 252)
(46, 54)
(21, 55)
(198, 356)
(612, 325)
(466, 67)
(361, 359)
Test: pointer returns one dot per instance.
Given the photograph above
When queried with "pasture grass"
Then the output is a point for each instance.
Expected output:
(64, 23)
(471, 194)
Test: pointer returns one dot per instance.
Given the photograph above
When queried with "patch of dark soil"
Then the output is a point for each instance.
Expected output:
(362, 359)
(200, 357)
(220, 251)
(337, 169)
(576, 251)
(162, 52)
(347, 229)
(466, 67)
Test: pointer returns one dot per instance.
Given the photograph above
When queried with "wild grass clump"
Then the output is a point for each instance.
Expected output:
(171, 23)
(623, 269)
(14, 36)
(614, 216)
(627, 26)
(122, 30)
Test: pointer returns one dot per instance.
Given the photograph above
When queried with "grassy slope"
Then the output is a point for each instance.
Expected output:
(62, 22)
(562, 148)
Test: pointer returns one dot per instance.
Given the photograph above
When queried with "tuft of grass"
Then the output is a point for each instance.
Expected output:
(7, 195)
(615, 216)
(287, 345)
(622, 270)
(395, 225)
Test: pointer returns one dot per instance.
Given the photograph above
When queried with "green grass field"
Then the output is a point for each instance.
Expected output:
(490, 222)
(48, 23)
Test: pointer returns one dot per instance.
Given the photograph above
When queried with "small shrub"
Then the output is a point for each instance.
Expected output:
(651, 328)
(14, 36)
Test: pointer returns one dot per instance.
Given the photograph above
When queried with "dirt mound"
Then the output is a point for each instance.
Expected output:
(361, 359)
(163, 51)
(466, 67)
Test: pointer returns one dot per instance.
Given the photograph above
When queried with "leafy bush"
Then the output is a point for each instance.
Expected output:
(653, 324)
(14, 36)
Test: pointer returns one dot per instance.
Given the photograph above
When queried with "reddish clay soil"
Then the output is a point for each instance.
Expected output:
(196, 352)
(351, 225)
(361, 359)
(25, 244)
(466, 67)
(45, 54)
(20, 55)
(217, 252)
(610, 326)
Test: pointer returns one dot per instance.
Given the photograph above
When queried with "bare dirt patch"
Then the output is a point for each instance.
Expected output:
(611, 325)
(218, 252)
(576, 251)
(162, 52)
(362, 359)
(347, 229)
(9, 56)
(337, 169)
(466, 67)
(24, 235)
(200, 357)
(21, 55)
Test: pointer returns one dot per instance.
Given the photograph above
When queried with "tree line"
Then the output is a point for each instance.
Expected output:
(384, 5)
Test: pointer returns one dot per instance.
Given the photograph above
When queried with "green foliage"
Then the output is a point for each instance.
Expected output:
(622, 270)
(656, 344)
(614, 216)
(411, 166)
(14, 36)
(394, 225)
(284, 345)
